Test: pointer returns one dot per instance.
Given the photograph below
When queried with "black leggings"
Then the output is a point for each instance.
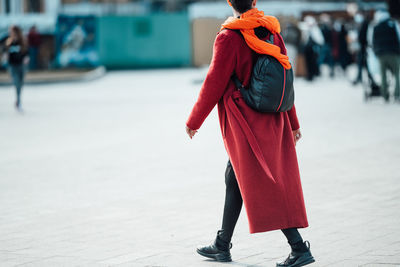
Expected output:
(233, 206)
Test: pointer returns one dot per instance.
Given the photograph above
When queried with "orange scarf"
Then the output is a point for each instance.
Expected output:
(252, 19)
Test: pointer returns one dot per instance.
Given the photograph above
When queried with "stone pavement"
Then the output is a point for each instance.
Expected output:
(103, 174)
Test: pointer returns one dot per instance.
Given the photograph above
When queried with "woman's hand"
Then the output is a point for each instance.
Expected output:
(296, 135)
(190, 132)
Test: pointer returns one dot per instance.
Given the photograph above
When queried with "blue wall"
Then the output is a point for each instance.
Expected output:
(157, 40)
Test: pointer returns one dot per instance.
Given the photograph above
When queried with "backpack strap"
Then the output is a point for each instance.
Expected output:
(234, 77)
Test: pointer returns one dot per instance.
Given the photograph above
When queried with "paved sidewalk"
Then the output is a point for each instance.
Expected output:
(103, 174)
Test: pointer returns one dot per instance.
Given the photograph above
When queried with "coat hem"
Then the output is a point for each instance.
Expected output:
(267, 229)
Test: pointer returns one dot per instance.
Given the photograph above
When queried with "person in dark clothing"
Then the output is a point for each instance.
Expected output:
(34, 43)
(314, 40)
(386, 45)
(362, 53)
(335, 42)
(326, 54)
(344, 54)
(17, 48)
(362, 56)
(311, 57)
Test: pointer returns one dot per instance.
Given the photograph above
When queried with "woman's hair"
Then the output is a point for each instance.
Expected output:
(19, 37)
(241, 6)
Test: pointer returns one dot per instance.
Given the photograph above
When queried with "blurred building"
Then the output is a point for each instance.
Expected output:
(151, 33)
(42, 13)
(101, 7)
(105, 7)
(27, 13)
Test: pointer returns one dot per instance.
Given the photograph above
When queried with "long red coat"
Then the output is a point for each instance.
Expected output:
(260, 145)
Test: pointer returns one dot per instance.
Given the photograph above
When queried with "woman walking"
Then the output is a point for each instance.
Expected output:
(17, 49)
(262, 170)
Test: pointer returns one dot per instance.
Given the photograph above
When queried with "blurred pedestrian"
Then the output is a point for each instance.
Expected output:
(364, 55)
(363, 23)
(292, 37)
(335, 43)
(262, 170)
(313, 42)
(326, 54)
(34, 43)
(17, 48)
(344, 54)
(386, 45)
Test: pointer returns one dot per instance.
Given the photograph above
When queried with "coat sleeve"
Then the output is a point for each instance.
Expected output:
(217, 80)
(294, 122)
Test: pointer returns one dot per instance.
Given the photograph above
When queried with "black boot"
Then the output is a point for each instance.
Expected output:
(298, 258)
(218, 250)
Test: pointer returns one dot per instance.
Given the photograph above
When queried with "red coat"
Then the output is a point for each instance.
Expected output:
(260, 145)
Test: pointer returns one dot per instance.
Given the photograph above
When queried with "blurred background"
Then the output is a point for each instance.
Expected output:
(176, 33)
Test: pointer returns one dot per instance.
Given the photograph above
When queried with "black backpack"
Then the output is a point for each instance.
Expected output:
(271, 85)
(385, 39)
